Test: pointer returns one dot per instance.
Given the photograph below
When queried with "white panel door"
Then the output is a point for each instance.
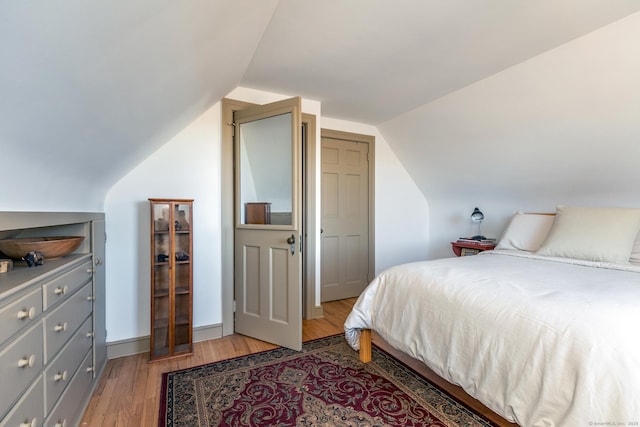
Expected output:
(268, 262)
(345, 218)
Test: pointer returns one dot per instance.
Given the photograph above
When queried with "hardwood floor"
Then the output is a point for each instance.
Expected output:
(129, 391)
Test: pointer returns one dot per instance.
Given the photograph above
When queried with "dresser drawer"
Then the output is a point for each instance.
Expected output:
(61, 323)
(59, 372)
(68, 410)
(29, 410)
(61, 287)
(20, 363)
(20, 313)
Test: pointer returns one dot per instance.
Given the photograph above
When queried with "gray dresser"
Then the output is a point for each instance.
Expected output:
(52, 323)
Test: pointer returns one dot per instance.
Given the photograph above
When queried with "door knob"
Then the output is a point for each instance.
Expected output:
(292, 241)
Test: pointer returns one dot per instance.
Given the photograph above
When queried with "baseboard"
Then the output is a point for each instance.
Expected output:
(206, 333)
(127, 347)
(317, 312)
(138, 345)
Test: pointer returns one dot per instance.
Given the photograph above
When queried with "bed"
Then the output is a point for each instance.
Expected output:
(542, 330)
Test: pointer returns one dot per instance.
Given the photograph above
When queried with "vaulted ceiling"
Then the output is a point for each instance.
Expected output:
(90, 89)
(370, 61)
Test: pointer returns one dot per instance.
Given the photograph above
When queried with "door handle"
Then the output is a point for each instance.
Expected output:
(292, 241)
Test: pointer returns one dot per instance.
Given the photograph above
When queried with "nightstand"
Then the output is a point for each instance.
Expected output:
(470, 248)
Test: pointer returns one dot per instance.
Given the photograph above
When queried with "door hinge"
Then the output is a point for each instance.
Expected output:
(234, 306)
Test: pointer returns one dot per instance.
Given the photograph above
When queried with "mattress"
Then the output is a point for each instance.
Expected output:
(541, 341)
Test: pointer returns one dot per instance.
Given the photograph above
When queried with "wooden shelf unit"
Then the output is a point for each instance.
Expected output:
(171, 278)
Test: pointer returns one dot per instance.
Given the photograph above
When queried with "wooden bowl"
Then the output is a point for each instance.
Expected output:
(51, 247)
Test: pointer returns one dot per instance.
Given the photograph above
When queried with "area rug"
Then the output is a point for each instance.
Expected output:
(323, 385)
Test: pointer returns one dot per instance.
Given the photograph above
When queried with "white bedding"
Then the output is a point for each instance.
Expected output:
(540, 341)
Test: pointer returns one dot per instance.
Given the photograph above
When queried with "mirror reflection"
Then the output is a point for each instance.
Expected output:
(265, 171)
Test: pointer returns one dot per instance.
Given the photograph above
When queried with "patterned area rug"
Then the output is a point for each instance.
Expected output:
(324, 385)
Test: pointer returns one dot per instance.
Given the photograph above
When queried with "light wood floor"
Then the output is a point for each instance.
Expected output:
(129, 391)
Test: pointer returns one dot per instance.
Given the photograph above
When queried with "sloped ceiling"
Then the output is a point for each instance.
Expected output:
(370, 61)
(561, 127)
(88, 90)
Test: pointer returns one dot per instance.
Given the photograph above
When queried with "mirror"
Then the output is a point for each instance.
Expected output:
(266, 171)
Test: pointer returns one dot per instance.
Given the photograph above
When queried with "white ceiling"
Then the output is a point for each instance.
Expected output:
(372, 60)
(90, 89)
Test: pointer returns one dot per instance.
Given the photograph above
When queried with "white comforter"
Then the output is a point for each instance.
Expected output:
(541, 341)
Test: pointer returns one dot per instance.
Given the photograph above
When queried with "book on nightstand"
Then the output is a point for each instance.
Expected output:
(483, 242)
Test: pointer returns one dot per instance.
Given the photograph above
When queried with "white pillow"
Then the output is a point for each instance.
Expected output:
(526, 231)
(594, 234)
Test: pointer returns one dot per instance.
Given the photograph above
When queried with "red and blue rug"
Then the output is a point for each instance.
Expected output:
(323, 385)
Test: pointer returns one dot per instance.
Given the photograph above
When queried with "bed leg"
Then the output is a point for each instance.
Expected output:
(365, 345)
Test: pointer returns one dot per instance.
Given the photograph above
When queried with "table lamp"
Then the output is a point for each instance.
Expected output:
(477, 216)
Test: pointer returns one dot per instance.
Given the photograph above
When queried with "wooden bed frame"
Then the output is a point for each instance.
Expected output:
(366, 338)
(365, 346)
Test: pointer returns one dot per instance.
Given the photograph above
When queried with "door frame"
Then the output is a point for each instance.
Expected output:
(227, 215)
(371, 141)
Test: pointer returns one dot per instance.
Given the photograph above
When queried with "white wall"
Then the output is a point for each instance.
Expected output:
(30, 185)
(559, 128)
(188, 166)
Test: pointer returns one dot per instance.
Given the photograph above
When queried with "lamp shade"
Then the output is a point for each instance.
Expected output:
(477, 215)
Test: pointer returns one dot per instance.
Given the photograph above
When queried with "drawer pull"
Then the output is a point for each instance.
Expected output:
(27, 423)
(61, 290)
(27, 361)
(60, 376)
(60, 327)
(27, 314)
(61, 423)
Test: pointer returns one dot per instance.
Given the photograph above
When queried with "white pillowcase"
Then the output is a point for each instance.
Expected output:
(526, 231)
(594, 234)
